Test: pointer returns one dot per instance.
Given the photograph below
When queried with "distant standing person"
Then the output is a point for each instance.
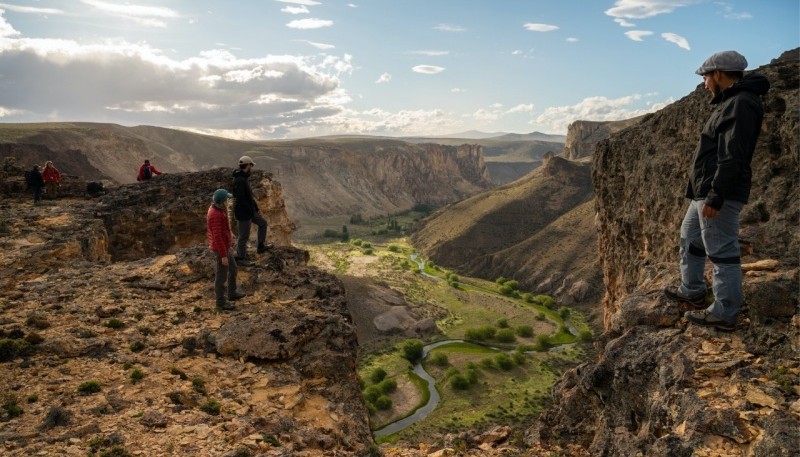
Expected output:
(719, 185)
(220, 240)
(146, 171)
(52, 180)
(246, 211)
(36, 183)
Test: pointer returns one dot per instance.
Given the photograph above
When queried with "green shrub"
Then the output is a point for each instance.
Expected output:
(199, 385)
(545, 300)
(504, 361)
(394, 248)
(507, 290)
(33, 398)
(372, 393)
(541, 316)
(366, 245)
(388, 386)
(369, 251)
(356, 242)
(211, 407)
(502, 322)
(136, 376)
(518, 357)
(487, 332)
(89, 387)
(439, 359)
(12, 348)
(524, 331)
(585, 335)
(512, 283)
(136, 346)
(114, 323)
(11, 405)
(564, 312)
(505, 335)
(383, 403)
(117, 450)
(452, 371)
(377, 376)
(543, 342)
(500, 280)
(488, 363)
(412, 350)
(471, 375)
(528, 297)
(454, 278)
(459, 382)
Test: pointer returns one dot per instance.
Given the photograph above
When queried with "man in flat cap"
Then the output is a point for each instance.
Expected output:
(719, 185)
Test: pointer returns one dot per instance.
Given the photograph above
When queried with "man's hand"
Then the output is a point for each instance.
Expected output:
(709, 212)
(225, 261)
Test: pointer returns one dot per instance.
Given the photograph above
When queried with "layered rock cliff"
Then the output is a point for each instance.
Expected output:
(658, 386)
(583, 136)
(110, 343)
(322, 177)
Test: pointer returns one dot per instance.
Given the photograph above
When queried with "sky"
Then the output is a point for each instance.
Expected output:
(272, 69)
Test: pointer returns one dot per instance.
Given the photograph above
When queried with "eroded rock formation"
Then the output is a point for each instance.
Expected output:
(583, 136)
(659, 387)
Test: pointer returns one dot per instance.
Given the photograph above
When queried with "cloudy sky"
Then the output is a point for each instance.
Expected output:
(264, 69)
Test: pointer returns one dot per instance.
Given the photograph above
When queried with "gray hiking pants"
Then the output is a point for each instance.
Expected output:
(244, 233)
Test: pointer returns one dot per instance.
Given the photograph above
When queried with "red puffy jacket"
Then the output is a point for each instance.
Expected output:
(51, 174)
(218, 231)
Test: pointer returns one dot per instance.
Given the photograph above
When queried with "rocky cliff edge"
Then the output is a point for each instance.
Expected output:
(110, 343)
(658, 386)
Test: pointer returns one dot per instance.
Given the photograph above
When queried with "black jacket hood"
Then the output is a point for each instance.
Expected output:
(752, 82)
(240, 172)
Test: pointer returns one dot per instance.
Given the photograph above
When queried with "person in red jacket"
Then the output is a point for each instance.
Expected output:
(220, 240)
(52, 179)
(146, 171)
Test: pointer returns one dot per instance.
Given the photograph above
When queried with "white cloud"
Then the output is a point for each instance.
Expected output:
(322, 46)
(30, 9)
(457, 90)
(729, 13)
(295, 9)
(380, 122)
(486, 115)
(301, 2)
(352, 5)
(428, 69)
(311, 23)
(516, 52)
(540, 27)
(623, 23)
(449, 28)
(677, 39)
(637, 35)
(430, 53)
(521, 108)
(149, 16)
(572, 39)
(640, 9)
(556, 119)
(133, 83)
(384, 78)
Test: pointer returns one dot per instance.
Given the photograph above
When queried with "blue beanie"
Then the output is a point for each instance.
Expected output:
(220, 195)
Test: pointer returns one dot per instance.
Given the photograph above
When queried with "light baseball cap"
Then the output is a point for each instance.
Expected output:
(245, 160)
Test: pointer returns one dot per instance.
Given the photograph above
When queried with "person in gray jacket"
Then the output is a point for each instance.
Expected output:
(719, 185)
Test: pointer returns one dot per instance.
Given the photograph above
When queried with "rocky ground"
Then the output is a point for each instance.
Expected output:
(129, 357)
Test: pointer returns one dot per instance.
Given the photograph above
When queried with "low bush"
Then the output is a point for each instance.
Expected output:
(412, 350)
(383, 403)
(459, 382)
(378, 375)
(199, 385)
(114, 323)
(387, 386)
(504, 361)
(211, 407)
(585, 335)
(136, 376)
(502, 322)
(89, 387)
(524, 331)
(372, 393)
(564, 312)
(505, 335)
(439, 359)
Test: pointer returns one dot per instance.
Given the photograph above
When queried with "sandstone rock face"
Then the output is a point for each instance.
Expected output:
(583, 136)
(168, 212)
(658, 386)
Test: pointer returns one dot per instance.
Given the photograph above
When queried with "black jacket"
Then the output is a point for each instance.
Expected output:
(721, 169)
(244, 205)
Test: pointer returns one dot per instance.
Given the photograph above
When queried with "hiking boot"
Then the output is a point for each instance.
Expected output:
(698, 301)
(242, 261)
(706, 319)
(225, 306)
(236, 295)
(262, 248)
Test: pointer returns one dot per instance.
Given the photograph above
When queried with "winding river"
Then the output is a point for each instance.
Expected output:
(422, 412)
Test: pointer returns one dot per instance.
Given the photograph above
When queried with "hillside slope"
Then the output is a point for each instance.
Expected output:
(524, 230)
(322, 177)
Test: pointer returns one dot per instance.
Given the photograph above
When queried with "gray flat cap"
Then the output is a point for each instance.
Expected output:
(723, 60)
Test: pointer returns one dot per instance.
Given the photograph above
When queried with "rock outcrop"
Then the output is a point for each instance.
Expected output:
(110, 343)
(659, 387)
(583, 136)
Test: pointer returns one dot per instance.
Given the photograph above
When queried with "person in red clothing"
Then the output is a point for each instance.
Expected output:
(52, 180)
(146, 171)
(220, 240)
